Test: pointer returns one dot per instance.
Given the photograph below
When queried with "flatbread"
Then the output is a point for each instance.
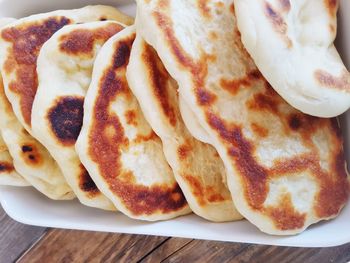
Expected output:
(118, 147)
(30, 158)
(8, 174)
(20, 45)
(197, 167)
(291, 43)
(64, 73)
(285, 170)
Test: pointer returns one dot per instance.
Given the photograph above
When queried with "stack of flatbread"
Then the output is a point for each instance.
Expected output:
(198, 106)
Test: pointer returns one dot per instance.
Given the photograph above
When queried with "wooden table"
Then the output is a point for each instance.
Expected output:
(35, 244)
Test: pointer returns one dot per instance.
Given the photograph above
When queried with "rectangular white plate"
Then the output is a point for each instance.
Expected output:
(27, 206)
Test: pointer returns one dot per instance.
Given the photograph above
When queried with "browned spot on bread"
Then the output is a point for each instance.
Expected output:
(204, 9)
(235, 85)
(203, 195)
(232, 8)
(213, 195)
(213, 35)
(6, 167)
(144, 138)
(259, 130)
(332, 7)
(160, 80)
(184, 150)
(296, 164)
(215, 198)
(82, 41)
(332, 28)
(27, 41)
(327, 80)
(284, 215)
(86, 184)
(31, 155)
(66, 119)
(264, 102)
(196, 188)
(130, 117)
(278, 23)
(106, 151)
(284, 5)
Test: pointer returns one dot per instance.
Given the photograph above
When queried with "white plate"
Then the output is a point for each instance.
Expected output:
(27, 206)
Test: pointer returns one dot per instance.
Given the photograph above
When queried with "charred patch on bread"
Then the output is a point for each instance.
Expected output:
(6, 167)
(26, 41)
(294, 122)
(66, 119)
(160, 79)
(86, 184)
(278, 23)
(81, 42)
(327, 80)
(31, 155)
(204, 97)
(106, 151)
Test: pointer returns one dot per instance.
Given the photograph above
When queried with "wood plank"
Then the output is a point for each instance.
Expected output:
(207, 251)
(230, 252)
(78, 246)
(165, 250)
(16, 238)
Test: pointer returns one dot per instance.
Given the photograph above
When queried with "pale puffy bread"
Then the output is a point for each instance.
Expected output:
(20, 44)
(118, 147)
(291, 43)
(64, 73)
(197, 167)
(285, 170)
(30, 158)
(8, 174)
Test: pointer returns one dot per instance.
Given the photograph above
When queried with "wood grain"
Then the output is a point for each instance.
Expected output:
(225, 252)
(166, 249)
(16, 238)
(77, 246)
